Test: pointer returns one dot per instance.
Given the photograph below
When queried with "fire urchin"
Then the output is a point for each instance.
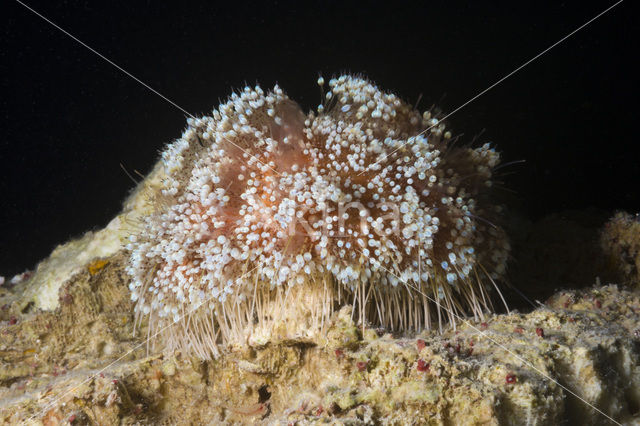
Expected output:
(271, 219)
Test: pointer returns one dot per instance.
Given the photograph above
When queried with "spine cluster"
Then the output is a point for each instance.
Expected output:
(271, 218)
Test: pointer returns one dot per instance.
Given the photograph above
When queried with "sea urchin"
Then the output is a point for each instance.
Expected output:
(271, 219)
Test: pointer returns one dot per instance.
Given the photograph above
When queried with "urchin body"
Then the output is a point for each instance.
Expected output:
(270, 219)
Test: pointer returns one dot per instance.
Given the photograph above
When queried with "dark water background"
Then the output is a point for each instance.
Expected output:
(69, 119)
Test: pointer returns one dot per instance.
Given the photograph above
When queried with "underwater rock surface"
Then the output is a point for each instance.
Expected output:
(69, 354)
(81, 363)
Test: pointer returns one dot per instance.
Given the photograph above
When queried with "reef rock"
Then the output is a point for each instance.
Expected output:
(575, 358)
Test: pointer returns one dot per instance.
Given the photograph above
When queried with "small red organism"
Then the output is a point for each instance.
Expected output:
(13, 320)
(58, 371)
(362, 365)
(597, 303)
(484, 325)
(114, 381)
(66, 298)
(72, 418)
(518, 330)
(471, 342)
(319, 411)
(540, 331)
(420, 344)
(339, 353)
(423, 365)
(511, 378)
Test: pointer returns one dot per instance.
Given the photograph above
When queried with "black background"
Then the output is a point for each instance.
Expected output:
(69, 119)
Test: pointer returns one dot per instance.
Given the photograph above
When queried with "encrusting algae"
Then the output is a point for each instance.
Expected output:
(269, 219)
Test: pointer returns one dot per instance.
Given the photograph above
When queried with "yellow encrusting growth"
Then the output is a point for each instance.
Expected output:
(271, 219)
(97, 265)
